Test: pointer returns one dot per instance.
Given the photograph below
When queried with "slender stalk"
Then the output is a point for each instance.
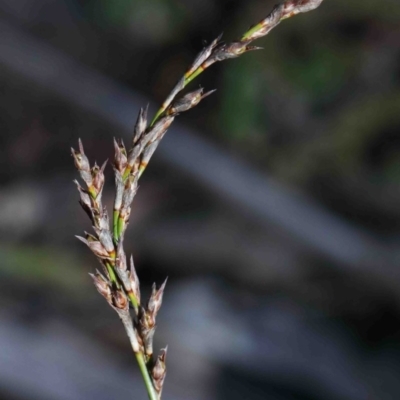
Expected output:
(134, 302)
(130, 331)
(279, 13)
(115, 226)
(111, 272)
(118, 224)
(146, 377)
(119, 284)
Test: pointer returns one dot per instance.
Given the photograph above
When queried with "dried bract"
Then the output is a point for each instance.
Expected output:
(120, 300)
(294, 7)
(82, 164)
(160, 371)
(97, 248)
(155, 301)
(141, 124)
(188, 101)
(120, 158)
(231, 50)
(103, 286)
(203, 55)
(134, 280)
(98, 177)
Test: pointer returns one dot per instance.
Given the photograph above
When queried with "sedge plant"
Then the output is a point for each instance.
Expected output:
(117, 281)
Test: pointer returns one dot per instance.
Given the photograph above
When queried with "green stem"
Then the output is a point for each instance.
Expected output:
(120, 226)
(252, 30)
(199, 70)
(115, 226)
(134, 302)
(117, 229)
(188, 79)
(158, 113)
(112, 275)
(194, 75)
(146, 377)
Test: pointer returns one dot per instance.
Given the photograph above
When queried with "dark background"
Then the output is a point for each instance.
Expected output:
(273, 207)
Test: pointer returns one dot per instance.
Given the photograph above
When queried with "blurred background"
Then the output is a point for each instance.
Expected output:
(273, 207)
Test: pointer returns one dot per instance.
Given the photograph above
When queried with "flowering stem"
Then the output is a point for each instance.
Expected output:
(120, 284)
(146, 377)
(279, 13)
(111, 272)
(127, 322)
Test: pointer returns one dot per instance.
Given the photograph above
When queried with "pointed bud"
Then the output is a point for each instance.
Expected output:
(85, 200)
(129, 194)
(203, 55)
(188, 101)
(102, 285)
(152, 134)
(147, 154)
(81, 161)
(120, 158)
(120, 262)
(141, 124)
(105, 239)
(159, 128)
(148, 338)
(103, 220)
(135, 284)
(82, 164)
(152, 145)
(159, 371)
(155, 301)
(231, 50)
(84, 196)
(133, 335)
(98, 176)
(147, 328)
(96, 215)
(279, 13)
(119, 189)
(180, 85)
(294, 7)
(122, 271)
(94, 245)
(120, 300)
